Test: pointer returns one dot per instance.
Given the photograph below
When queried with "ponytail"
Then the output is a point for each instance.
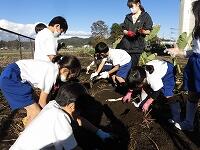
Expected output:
(142, 8)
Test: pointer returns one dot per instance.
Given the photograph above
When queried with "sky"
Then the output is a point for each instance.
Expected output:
(22, 15)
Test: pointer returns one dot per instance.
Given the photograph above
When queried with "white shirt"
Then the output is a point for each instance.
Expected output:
(118, 57)
(45, 44)
(52, 127)
(40, 74)
(196, 46)
(155, 79)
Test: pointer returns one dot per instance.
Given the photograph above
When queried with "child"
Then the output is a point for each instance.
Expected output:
(120, 60)
(191, 76)
(39, 27)
(154, 78)
(52, 129)
(17, 81)
(46, 40)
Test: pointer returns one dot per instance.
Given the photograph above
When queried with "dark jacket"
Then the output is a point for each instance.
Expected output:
(135, 44)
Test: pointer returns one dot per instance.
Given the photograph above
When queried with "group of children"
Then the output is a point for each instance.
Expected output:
(48, 123)
(157, 77)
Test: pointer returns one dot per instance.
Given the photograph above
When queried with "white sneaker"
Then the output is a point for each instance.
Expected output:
(184, 126)
(177, 125)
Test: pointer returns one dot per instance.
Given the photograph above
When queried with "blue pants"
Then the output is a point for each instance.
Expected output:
(17, 93)
(169, 81)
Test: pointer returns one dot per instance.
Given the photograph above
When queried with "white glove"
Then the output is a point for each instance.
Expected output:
(104, 75)
(87, 69)
(103, 135)
(93, 75)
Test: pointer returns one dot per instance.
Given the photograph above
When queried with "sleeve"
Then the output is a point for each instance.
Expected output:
(155, 83)
(64, 133)
(124, 25)
(148, 22)
(49, 46)
(46, 83)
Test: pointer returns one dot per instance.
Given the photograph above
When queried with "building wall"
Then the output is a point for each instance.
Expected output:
(186, 20)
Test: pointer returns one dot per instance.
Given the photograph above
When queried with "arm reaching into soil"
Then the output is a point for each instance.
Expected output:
(89, 126)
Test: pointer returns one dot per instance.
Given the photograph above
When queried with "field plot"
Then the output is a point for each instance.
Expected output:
(132, 129)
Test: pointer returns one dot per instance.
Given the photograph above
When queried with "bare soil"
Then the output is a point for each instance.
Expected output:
(131, 128)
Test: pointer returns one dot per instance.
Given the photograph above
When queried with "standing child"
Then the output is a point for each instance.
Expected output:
(52, 129)
(191, 76)
(18, 79)
(46, 40)
(120, 60)
(155, 78)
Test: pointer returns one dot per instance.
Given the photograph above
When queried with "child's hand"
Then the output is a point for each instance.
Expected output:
(146, 105)
(127, 97)
(104, 75)
(173, 51)
(93, 75)
(103, 135)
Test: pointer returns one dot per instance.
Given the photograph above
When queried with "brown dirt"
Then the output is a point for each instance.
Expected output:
(122, 119)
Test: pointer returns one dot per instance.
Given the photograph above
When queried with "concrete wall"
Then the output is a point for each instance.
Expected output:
(186, 20)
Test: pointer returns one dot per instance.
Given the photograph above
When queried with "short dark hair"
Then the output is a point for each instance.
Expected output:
(101, 48)
(61, 21)
(39, 27)
(70, 92)
(138, 74)
(70, 62)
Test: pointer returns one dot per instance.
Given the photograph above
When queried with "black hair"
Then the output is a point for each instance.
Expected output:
(70, 92)
(39, 27)
(130, 2)
(101, 48)
(70, 62)
(61, 21)
(196, 12)
(60, 45)
(137, 75)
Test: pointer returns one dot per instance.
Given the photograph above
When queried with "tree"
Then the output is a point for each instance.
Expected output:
(116, 32)
(99, 29)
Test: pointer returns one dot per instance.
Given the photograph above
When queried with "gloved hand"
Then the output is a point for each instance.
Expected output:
(131, 33)
(141, 31)
(103, 135)
(146, 105)
(87, 69)
(104, 75)
(127, 97)
(93, 75)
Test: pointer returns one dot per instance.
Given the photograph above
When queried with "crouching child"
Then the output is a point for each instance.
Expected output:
(120, 60)
(155, 78)
(52, 127)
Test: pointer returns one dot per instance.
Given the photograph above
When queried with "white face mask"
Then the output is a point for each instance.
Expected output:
(56, 34)
(63, 78)
(132, 10)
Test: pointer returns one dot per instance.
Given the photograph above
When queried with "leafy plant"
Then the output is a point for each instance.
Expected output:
(153, 33)
(146, 57)
(183, 40)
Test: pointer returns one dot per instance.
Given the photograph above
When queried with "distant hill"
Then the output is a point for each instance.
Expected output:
(76, 41)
